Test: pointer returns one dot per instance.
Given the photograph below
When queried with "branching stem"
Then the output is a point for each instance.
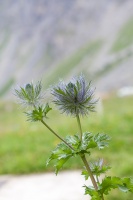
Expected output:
(90, 173)
(84, 158)
(85, 161)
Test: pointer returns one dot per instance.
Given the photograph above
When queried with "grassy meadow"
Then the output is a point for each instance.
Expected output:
(25, 146)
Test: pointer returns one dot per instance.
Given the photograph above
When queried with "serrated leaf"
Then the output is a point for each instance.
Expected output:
(60, 162)
(95, 195)
(123, 188)
(85, 173)
(84, 146)
(128, 182)
(60, 155)
(46, 109)
(97, 168)
(92, 144)
(101, 140)
(87, 141)
(38, 113)
(108, 183)
(87, 136)
(74, 141)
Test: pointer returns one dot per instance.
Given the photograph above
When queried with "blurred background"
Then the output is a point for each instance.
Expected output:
(57, 39)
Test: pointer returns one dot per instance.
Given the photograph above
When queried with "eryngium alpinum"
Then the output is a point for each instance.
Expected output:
(30, 95)
(74, 98)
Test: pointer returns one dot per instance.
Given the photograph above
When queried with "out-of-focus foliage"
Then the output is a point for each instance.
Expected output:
(25, 149)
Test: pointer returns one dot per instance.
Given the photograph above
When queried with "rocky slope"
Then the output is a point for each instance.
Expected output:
(60, 38)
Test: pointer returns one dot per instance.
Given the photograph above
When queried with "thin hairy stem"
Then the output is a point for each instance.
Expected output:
(84, 159)
(57, 135)
(79, 125)
(89, 171)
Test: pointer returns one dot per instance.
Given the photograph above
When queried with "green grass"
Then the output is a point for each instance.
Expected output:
(68, 64)
(25, 146)
(125, 37)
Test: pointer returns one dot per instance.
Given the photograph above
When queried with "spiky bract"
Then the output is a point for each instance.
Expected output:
(38, 114)
(30, 94)
(76, 97)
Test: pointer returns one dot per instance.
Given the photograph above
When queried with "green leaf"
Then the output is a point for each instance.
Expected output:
(74, 141)
(87, 141)
(95, 195)
(60, 155)
(123, 188)
(90, 141)
(39, 113)
(127, 182)
(101, 140)
(59, 164)
(46, 109)
(97, 168)
(108, 183)
(85, 173)
(84, 146)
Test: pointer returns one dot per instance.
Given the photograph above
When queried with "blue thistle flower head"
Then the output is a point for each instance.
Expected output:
(76, 97)
(30, 95)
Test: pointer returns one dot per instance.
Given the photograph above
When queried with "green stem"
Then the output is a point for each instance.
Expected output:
(89, 171)
(85, 161)
(57, 135)
(84, 158)
(79, 125)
